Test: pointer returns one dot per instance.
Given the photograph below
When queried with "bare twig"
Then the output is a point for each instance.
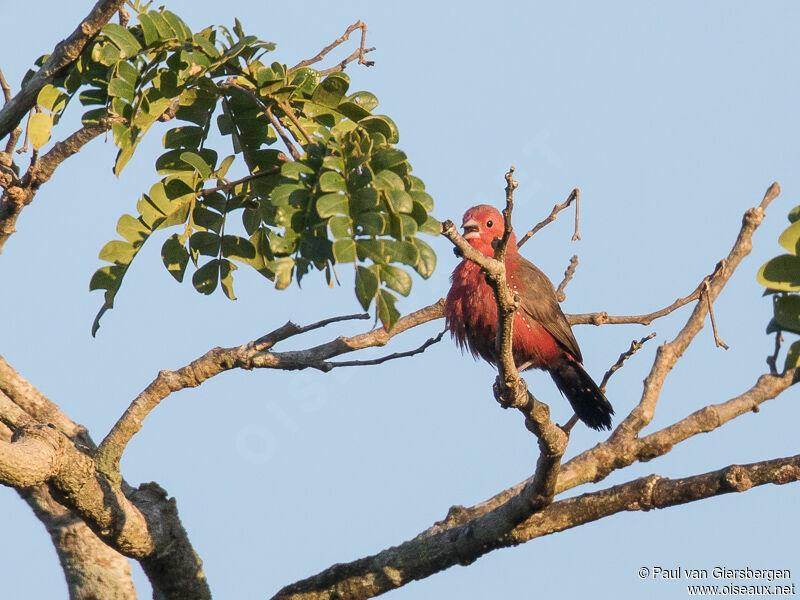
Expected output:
(265, 342)
(377, 361)
(772, 360)
(5, 87)
(568, 274)
(635, 346)
(24, 147)
(358, 54)
(717, 339)
(573, 195)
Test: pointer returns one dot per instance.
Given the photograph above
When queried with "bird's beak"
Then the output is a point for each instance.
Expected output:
(470, 229)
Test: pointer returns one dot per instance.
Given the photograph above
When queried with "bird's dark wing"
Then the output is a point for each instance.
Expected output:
(538, 299)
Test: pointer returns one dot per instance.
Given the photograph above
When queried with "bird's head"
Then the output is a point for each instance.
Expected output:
(482, 224)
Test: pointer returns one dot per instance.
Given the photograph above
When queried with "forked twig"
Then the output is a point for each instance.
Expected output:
(635, 346)
(573, 195)
(358, 54)
(376, 361)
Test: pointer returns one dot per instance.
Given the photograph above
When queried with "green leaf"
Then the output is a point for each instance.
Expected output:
(226, 269)
(51, 98)
(366, 100)
(206, 218)
(370, 223)
(403, 252)
(423, 198)
(781, 273)
(331, 90)
(123, 39)
(386, 158)
(331, 181)
(387, 312)
(132, 229)
(340, 227)
(237, 247)
(224, 165)
(431, 226)
(789, 238)
(177, 25)
(205, 242)
(427, 259)
(175, 257)
(389, 180)
(332, 204)
(121, 89)
(344, 251)
(198, 163)
(383, 125)
(794, 214)
(188, 136)
(293, 169)
(206, 278)
(39, 127)
(282, 267)
(366, 286)
(93, 96)
(149, 28)
(793, 356)
(128, 72)
(352, 111)
(396, 278)
(787, 313)
(118, 252)
(401, 201)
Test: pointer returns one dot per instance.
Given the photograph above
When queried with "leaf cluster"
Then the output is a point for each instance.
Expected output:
(781, 277)
(346, 197)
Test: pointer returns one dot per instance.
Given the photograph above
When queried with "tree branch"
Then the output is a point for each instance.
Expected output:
(668, 354)
(568, 274)
(18, 195)
(358, 54)
(247, 356)
(437, 549)
(142, 524)
(573, 195)
(64, 54)
(377, 361)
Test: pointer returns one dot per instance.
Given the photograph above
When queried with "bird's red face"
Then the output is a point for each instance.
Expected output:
(482, 224)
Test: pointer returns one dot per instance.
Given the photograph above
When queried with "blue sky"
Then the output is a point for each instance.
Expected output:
(672, 119)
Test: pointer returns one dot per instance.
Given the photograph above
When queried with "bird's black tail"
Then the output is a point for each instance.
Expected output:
(586, 399)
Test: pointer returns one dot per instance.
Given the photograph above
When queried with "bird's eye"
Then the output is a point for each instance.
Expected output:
(489, 223)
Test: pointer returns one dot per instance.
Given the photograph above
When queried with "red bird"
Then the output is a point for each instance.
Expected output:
(542, 336)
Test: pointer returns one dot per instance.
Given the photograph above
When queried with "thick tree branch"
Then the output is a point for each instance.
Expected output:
(91, 567)
(63, 55)
(438, 549)
(142, 523)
